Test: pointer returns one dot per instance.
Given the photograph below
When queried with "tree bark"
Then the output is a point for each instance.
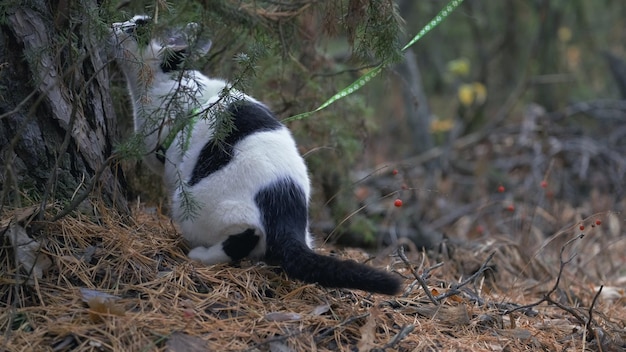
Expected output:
(56, 114)
(416, 107)
(417, 111)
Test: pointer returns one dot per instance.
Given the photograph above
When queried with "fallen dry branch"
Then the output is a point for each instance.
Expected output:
(120, 286)
(455, 288)
(547, 297)
(420, 278)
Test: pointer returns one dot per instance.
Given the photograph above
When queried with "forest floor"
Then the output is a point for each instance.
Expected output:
(527, 252)
(114, 285)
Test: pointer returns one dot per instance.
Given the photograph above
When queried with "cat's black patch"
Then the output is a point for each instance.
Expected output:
(283, 208)
(141, 20)
(247, 118)
(240, 245)
(172, 60)
(160, 153)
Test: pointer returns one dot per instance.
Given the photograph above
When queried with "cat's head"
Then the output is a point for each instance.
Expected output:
(138, 41)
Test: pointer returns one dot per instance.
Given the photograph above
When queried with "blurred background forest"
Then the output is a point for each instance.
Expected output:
(507, 117)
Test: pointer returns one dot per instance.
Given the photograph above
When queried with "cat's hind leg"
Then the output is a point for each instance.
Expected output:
(233, 248)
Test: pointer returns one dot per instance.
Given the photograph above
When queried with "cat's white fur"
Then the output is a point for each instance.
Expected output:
(260, 158)
(265, 170)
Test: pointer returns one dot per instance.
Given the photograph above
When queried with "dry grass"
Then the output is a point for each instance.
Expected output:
(149, 296)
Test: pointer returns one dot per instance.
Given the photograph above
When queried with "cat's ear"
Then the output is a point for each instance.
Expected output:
(190, 39)
(182, 44)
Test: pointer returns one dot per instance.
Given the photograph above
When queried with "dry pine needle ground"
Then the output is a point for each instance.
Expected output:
(119, 286)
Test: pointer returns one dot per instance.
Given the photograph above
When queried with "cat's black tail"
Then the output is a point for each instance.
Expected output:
(283, 207)
(302, 263)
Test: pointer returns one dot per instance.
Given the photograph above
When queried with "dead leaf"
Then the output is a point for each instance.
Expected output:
(611, 293)
(451, 315)
(282, 316)
(368, 332)
(101, 303)
(88, 294)
(456, 298)
(20, 215)
(28, 253)
(278, 346)
(321, 309)
(517, 333)
(179, 342)
(98, 308)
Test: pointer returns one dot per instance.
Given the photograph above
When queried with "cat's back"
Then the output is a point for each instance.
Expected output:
(254, 150)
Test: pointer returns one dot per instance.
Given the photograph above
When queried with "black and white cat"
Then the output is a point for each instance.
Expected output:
(249, 193)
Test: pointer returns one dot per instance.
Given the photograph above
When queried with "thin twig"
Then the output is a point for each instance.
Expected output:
(16, 292)
(404, 331)
(342, 324)
(455, 289)
(570, 310)
(418, 277)
(590, 319)
(82, 196)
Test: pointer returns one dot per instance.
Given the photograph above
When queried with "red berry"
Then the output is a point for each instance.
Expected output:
(598, 222)
(510, 208)
(544, 184)
(501, 189)
(394, 172)
(479, 229)
(581, 227)
(188, 313)
(398, 203)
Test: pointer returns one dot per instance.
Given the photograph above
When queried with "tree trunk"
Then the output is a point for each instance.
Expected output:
(417, 111)
(56, 114)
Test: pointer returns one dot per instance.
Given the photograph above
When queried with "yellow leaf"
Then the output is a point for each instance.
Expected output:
(474, 93)
(564, 34)
(572, 55)
(480, 92)
(459, 67)
(466, 94)
(441, 125)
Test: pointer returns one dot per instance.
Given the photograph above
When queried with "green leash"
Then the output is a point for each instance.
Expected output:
(359, 83)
